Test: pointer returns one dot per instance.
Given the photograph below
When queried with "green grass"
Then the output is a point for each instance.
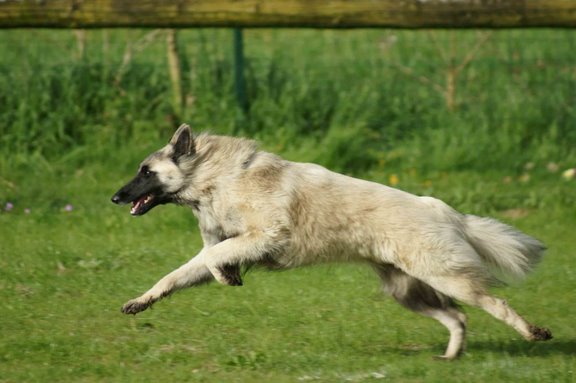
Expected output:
(64, 276)
(360, 102)
(382, 91)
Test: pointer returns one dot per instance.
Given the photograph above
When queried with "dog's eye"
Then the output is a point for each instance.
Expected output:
(145, 170)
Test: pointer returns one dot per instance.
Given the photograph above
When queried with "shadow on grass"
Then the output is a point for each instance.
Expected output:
(520, 348)
(512, 348)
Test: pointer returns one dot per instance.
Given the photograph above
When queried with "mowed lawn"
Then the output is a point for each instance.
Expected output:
(66, 271)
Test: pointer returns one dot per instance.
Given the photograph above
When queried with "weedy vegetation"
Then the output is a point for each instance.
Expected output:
(484, 120)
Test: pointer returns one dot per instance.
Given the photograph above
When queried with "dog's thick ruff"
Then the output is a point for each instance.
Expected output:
(255, 208)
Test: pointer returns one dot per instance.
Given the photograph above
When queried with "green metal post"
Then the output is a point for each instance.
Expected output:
(239, 80)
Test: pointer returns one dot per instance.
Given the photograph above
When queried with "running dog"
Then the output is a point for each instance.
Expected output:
(257, 209)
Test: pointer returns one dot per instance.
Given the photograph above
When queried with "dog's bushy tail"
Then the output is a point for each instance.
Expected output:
(509, 254)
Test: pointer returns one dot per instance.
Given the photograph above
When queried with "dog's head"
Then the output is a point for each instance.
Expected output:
(159, 177)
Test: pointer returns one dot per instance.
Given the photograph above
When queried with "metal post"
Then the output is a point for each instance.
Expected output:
(239, 80)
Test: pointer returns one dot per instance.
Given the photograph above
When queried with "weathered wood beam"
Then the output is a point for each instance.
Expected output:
(287, 13)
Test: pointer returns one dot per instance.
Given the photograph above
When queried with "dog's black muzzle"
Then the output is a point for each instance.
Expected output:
(144, 192)
(116, 198)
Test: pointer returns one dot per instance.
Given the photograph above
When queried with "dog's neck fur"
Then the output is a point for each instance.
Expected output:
(218, 159)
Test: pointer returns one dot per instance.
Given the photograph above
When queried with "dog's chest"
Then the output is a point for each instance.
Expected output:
(219, 224)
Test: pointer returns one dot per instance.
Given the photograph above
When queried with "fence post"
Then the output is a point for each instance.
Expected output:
(175, 69)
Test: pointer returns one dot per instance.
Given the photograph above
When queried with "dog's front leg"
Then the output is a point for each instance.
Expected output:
(224, 259)
(190, 274)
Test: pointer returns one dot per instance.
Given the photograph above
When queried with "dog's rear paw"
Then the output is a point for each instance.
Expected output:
(135, 306)
(540, 333)
(447, 358)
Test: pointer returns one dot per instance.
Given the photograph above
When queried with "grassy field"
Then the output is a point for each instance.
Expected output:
(65, 274)
(375, 104)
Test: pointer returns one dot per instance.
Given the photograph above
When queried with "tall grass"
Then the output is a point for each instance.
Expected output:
(362, 97)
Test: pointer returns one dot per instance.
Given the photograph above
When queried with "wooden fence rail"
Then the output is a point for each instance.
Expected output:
(287, 13)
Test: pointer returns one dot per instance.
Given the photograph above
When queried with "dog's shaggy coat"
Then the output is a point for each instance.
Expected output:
(255, 208)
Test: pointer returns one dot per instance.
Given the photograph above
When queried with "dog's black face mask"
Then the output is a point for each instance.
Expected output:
(144, 192)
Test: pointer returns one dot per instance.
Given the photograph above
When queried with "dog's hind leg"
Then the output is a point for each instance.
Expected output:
(423, 299)
(465, 290)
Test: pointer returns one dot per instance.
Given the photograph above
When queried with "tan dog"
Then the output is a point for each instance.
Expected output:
(255, 208)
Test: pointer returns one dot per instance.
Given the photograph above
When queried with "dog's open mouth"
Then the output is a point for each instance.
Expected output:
(142, 204)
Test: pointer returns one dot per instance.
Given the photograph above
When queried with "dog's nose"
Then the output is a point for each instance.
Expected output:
(115, 198)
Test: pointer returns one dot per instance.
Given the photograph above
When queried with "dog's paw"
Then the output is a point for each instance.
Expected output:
(231, 273)
(447, 358)
(540, 333)
(227, 274)
(135, 306)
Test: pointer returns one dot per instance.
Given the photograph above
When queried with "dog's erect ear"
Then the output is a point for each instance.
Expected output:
(183, 142)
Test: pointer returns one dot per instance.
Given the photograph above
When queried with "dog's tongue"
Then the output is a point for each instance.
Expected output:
(136, 205)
